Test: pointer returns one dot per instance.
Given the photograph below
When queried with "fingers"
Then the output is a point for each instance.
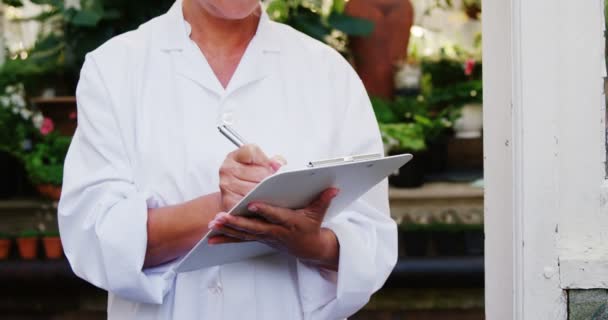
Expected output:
(255, 228)
(322, 203)
(251, 154)
(273, 214)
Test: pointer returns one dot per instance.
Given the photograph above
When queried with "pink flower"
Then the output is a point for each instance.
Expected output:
(469, 66)
(47, 126)
(72, 115)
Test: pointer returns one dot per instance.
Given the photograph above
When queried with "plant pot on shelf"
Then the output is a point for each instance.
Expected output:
(415, 243)
(449, 241)
(474, 242)
(470, 123)
(437, 161)
(52, 246)
(27, 243)
(14, 178)
(5, 247)
(49, 191)
(411, 175)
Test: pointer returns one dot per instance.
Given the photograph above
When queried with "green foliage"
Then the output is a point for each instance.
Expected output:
(403, 136)
(44, 164)
(449, 71)
(29, 233)
(408, 124)
(5, 235)
(16, 125)
(458, 94)
(59, 53)
(447, 82)
(50, 233)
(308, 17)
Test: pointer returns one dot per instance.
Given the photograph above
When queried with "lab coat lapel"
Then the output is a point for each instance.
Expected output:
(257, 61)
(190, 63)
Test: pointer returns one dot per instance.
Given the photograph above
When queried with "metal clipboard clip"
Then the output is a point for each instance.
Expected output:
(327, 162)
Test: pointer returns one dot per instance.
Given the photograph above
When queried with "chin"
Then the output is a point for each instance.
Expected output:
(231, 9)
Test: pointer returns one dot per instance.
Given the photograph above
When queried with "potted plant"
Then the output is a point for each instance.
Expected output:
(408, 125)
(44, 164)
(16, 129)
(27, 243)
(456, 83)
(406, 138)
(5, 245)
(52, 244)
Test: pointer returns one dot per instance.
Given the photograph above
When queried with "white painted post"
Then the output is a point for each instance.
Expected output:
(544, 148)
(498, 157)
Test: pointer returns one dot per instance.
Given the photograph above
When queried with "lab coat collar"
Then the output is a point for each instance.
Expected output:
(255, 64)
(177, 38)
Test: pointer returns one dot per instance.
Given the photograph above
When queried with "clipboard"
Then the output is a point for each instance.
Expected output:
(354, 176)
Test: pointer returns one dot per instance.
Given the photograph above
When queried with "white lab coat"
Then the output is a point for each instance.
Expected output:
(148, 107)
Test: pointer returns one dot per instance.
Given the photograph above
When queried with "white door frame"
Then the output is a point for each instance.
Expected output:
(544, 155)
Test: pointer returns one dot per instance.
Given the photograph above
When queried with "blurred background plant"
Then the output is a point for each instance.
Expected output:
(44, 164)
(324, 20)
(408, 124)
(18, 123)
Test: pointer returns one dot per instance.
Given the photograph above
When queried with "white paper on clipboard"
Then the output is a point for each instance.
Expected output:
(296, 189)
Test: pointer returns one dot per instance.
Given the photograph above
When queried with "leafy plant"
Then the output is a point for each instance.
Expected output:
(70, 33)
(452, 82)
(408, 123)
(44, 164)
(17, 122)
(324, 23)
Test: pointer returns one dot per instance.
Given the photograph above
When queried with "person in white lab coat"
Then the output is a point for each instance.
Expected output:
(147, 172)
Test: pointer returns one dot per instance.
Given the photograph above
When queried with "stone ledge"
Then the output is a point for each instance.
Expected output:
(438, 202)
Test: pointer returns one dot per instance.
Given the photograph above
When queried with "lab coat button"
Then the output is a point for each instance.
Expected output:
(215, 289)
(228, 118)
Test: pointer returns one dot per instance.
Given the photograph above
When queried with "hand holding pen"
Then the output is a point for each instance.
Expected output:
(243, 168)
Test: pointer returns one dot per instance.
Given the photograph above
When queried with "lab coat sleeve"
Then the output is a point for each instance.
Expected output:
(366, 233)
(102, 214)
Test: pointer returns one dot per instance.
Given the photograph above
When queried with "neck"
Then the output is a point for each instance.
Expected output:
(219, 36)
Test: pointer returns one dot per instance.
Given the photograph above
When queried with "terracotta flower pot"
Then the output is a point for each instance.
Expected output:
(49, 191)
(28, 247)
(5, 248)
(52, 247)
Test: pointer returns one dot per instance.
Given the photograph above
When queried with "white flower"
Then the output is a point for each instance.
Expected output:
(18, 100)
(26, 114)
(72, 4)
(5, 101)
(37, 119)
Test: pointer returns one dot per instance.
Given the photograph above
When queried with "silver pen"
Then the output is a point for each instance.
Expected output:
(231, 135)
